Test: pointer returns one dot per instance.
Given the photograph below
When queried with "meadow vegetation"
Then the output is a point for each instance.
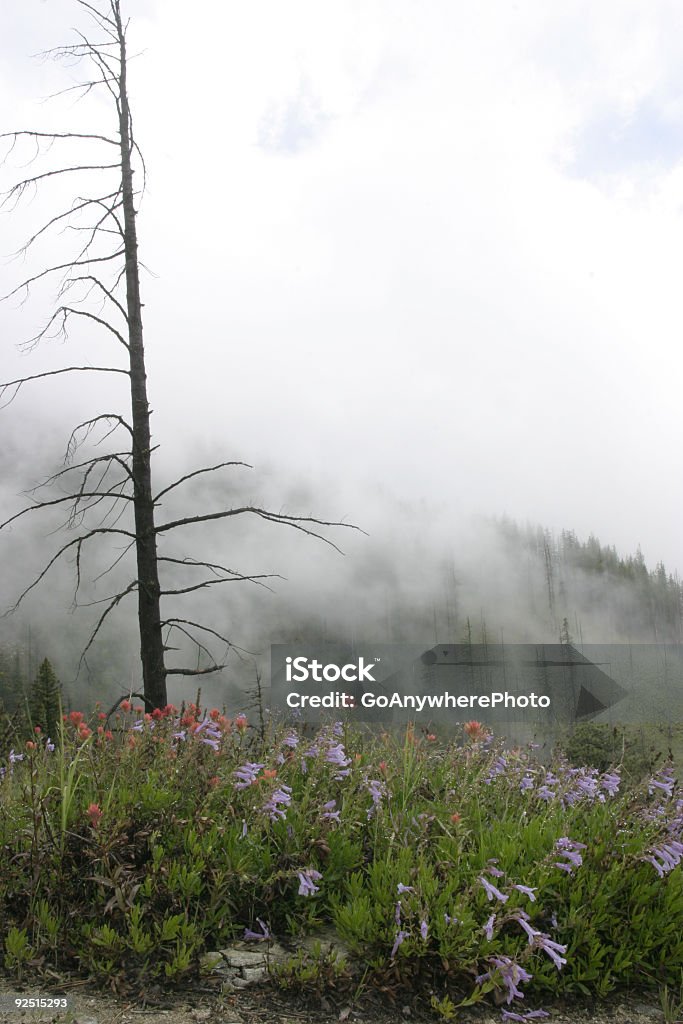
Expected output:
(458, 871)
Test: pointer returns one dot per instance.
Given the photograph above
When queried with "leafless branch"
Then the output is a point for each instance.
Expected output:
(175, 623)
(198, 472)
(25, 285)
(195, 671)
(61, 331)
(215, 581)
(17, 384)
(295, 522)
(53, 136)
(17, 190)
(40, 505)
(116, 561)
(73, 444)
(97, 531)
(79, 204)
(116, 600)
(117, 457)
(95, 283)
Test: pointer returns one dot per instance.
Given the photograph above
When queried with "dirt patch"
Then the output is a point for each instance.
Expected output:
(264, 1005)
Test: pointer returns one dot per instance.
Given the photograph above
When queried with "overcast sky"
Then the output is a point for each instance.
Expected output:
(404, 252)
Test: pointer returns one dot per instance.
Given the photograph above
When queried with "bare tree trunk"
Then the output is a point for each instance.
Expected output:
(149, 589)
(97, 268)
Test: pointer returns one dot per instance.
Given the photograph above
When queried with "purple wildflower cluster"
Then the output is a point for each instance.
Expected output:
(307, 879)
(507, 971)
(329, 812)
(276, 803)
(663, 782)
(246, 774)
(670, 855)
(377, 790)
(573, 786)
(497, 768)
(569, 849)
(252, 936)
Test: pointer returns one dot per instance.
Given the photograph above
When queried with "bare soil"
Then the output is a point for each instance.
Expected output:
(264, 1005)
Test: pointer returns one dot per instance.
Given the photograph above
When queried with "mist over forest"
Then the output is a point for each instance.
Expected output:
(418, 578)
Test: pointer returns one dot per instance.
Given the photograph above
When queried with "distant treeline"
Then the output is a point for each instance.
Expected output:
(566, 589)
(585, 577)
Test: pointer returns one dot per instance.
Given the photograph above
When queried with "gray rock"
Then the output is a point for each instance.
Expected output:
(243, 957)
(252, 975)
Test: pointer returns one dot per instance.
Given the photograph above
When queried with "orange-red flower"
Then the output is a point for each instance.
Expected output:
(475, 730)
(94, 814)
(125, 705)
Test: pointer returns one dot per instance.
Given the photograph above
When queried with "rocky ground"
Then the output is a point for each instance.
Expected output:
(236, 990)
(264, 1006)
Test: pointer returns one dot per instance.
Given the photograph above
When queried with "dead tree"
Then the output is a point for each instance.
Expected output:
(107, 268)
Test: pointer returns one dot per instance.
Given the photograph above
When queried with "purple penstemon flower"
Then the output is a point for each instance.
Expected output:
(526, 784)
(329, 812)
(488, 927)
(610, 782)
(492, 892)
(13, 758)
(335, 754)
(663, 781)
(291, 740)
(511, 974)
(246, 774)
(523, 919)
(49, 746)
(279, 799)
(527, 890)
(397, 914)
(377, 790)
(545, 793)
(401, 888)
(262, 936)
(492, 869)
(552, 948)
(307, 879)
(497, 768)
(401, 937)
(670, 854)
(569, 848)
(424, 930)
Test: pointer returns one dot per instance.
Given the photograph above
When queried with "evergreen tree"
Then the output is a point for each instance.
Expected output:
(45, 699)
